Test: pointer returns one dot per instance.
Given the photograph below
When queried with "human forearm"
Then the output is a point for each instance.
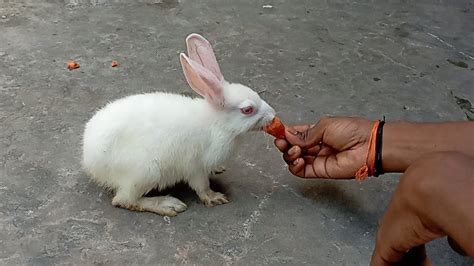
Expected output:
(404, 143)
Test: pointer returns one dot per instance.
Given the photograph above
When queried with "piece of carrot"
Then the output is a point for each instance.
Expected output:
(276, 128)
(114, 63)
(72, 65)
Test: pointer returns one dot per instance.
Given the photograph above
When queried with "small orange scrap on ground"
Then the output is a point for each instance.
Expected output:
(72, 65)
(276, 128)
(114, 63)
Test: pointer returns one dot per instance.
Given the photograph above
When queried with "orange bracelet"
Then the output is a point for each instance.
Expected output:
(368, 168)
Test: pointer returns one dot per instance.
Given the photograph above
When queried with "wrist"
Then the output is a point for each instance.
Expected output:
(395, 147)
(378, 167)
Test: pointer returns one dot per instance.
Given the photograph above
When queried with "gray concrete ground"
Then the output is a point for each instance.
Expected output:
(408, 60)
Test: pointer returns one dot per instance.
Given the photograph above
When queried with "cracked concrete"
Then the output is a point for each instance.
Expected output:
(307, 58)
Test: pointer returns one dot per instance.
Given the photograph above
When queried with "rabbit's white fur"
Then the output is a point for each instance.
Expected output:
(159, 139)
(154, 140)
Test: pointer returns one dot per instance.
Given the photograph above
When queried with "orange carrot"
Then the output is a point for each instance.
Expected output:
(72, 65)
(276, 128)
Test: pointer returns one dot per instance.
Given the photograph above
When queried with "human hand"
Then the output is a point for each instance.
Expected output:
(335, 147)
(433, 199)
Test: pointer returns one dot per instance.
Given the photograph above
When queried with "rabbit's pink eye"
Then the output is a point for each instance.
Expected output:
(247, 110)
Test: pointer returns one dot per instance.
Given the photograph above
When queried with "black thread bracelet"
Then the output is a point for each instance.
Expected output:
(378, 167)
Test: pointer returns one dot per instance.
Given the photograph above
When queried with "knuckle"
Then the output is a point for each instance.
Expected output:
(385, 252)
(325, 119)
(288, 158)
(430, 172)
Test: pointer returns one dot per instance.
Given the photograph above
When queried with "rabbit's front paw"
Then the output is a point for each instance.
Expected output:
(211, 198)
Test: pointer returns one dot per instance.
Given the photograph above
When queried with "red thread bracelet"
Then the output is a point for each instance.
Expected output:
(368, 168)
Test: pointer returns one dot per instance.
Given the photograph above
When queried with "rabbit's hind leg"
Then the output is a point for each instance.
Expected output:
(127, 198)
(163, 205)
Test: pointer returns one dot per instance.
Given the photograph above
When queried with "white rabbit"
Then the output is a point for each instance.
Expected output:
(147, 141)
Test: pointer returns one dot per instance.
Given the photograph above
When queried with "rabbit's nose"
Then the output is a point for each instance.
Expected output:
(267, 109)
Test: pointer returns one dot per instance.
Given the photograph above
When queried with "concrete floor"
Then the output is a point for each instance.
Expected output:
(412, 60)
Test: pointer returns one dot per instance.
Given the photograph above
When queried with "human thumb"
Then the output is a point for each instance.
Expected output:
(305, 138)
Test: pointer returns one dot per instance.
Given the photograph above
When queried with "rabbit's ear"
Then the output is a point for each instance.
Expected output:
(203, 81)
(200, 50)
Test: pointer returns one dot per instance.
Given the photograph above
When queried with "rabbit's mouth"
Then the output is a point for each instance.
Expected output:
(258, 126)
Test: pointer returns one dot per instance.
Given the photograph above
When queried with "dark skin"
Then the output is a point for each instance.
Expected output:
(434, 197)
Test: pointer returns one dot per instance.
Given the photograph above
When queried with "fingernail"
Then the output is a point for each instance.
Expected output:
(291, 131)
(296, 162)
(292, 151)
